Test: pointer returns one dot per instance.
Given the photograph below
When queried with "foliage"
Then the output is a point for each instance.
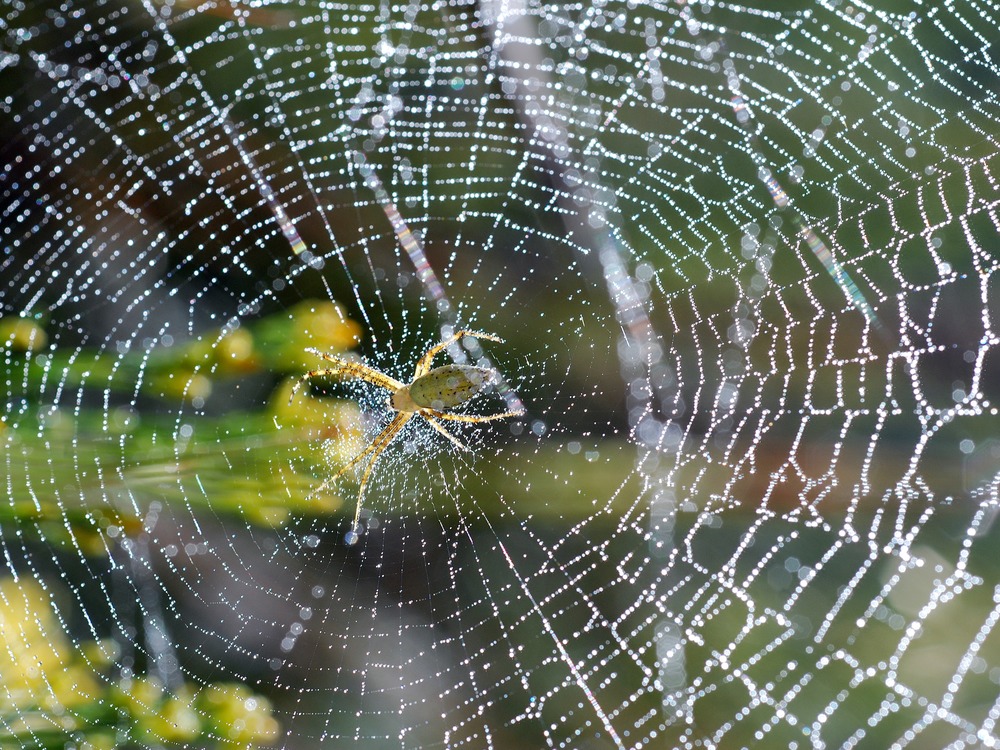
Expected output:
(57, 693)
(293, 439)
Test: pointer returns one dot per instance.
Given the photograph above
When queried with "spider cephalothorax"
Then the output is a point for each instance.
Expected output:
(431, 394)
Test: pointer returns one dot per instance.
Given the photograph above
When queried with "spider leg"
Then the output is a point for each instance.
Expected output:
(311, 374)
(374, 445)
(438, 426)
(425, 361)
(469, 417)
(353, 369)
(379, 444)
(354, 461)
(344, 469)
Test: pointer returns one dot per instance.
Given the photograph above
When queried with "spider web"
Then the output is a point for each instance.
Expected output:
(743, 259)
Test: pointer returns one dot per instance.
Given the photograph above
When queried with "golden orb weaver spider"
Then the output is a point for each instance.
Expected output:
(431, 394)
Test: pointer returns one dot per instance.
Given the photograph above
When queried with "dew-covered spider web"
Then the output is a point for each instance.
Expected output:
(743, 260)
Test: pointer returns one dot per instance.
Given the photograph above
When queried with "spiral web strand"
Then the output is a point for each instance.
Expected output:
(743, 262)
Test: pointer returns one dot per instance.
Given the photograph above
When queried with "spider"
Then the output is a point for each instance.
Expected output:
(431, 394)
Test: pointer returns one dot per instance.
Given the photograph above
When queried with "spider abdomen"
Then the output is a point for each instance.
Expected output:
(448, 386)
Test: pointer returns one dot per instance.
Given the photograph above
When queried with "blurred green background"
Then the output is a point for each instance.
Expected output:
(802, 556)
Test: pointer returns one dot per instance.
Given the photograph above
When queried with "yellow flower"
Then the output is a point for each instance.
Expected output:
(22, 334)
(321, 325)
